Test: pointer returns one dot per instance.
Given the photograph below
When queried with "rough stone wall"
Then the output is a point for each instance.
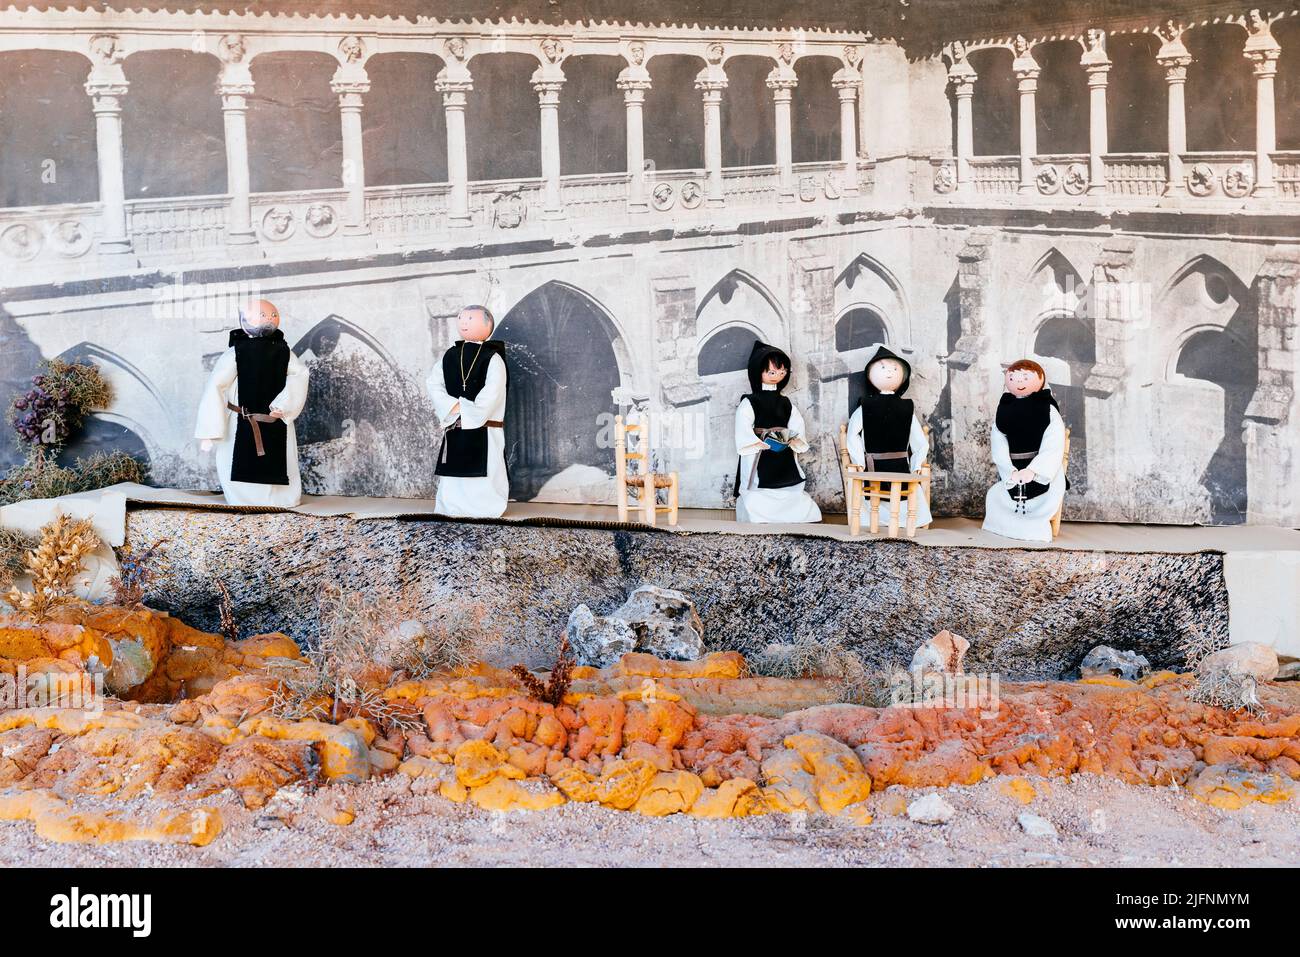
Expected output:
(1028, 614)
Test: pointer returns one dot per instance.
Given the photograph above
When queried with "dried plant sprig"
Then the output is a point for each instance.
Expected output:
(14, 546)
(229, 627)
(137, 571)
(64, 546)
(556, 686)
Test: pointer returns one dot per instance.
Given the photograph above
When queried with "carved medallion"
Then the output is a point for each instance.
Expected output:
(663, 196)
(831, 185)
(1076, 179)
(1201, 180)
(1049, 179)
(70, 238)
(320, 220)
(692, 193)
(1239, 180)
(508, 209)
(807, 188)
(21, 241)
(277, 223)
(945, 179)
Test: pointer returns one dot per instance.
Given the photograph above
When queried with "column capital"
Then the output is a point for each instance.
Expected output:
(454, 82)
(634, 78)
(712, 79)
(846, 80)
(350, 82)
(235, 80)
(106, 92)
(1024, 65)
(1261, 45)
(1094, 57)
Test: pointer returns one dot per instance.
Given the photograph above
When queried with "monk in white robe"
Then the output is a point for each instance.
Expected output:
(1028, 445)
(468, 388)
(256, 390)
(769, 433)
(884, 426)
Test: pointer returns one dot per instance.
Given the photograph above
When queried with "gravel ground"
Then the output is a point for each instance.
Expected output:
(1100, 822)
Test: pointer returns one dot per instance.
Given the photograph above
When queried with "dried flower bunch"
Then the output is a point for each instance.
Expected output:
(556, 685)
(65, 544)
(137, 570)
(61, 396)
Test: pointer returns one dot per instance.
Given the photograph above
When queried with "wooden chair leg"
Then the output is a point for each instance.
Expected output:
(854, 504)
(648, 496)
(1056, 523)
(672, 501)
(873, 503)
(895, 499)
(913, 492)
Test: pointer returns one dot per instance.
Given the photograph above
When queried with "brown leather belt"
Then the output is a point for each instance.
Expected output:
(1023, 456)
(873, 457)
(253, 418)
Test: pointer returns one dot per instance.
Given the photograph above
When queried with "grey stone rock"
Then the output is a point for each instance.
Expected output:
(1249, 658)
(131, 665)
(1036, 826)
(887, 596)
(1288, 671)
(930, 809)
(596, 641)
(665, 621)
(944, 653)
(1105, 660)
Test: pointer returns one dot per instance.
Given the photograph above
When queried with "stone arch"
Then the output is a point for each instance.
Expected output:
(503, 98)
(1062, 99)
(868, 280)
(295, 132)
(1214, 368)
(726, 349)
(1052, 286)
(592, 116)
(748, 121)
(47, 127)
(1220, 89)
(564, 365)
(995, 107)
(720, 307)
(140, 421)
(402, 146)
(815, 116)
(678, 113)
(173, 111)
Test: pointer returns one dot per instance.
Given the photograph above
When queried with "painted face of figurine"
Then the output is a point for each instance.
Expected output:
(774, 374)
(474, 325)
(259, 318)
(1023, 382)
(887, 375)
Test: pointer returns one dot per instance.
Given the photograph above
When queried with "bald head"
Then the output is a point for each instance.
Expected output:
(475, 323)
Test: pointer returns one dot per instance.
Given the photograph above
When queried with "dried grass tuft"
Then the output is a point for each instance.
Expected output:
(828, 657)
(556, 685)
(54, 564)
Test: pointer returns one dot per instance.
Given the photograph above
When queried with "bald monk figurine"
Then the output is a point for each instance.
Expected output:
(256, 390)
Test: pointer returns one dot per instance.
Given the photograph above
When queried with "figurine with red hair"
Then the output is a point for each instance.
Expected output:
(256, 389)
(1028, 439)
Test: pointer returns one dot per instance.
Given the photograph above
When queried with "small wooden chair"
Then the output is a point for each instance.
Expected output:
(646, 482)
(1065, 467)
(895, 487)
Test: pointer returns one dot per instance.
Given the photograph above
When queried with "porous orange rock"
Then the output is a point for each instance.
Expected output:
(56, 821)
(669, 792)
(503, 794)
(1233, 788)
(717, 664)
(344, 756)
(736, 797)
(622, 783)
(838, 776)
(478, 762)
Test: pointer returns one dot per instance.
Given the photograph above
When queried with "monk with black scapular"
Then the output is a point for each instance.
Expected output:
(468, 389)
(769, 433)
(256, 389)
(884, 434)
(1028, 441)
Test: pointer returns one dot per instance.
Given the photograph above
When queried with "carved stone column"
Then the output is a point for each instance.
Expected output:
(1173, 56)
(547, 82)
(962, 76)
(1118, 307)
(454, 83)
(634, 81)
(782, 81)
(711, 81)
(235, 86)
(1027, 69)
(350, 83)
(1097, 65)
(1263, 51)
(846, 82)
(106, 86)
(1272, 447)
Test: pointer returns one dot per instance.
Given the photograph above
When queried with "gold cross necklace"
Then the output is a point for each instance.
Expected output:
(464, 376)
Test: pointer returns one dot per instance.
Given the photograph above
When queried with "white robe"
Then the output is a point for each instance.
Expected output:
(216, 422)
(484, 496)
(790, 505)
(1035, 524)
(920, 447)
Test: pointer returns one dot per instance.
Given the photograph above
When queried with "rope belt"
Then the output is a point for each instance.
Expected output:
(490, 424)
(253, 418)
(874, 457)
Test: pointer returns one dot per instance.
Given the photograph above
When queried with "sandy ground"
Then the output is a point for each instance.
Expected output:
(1100, 822)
